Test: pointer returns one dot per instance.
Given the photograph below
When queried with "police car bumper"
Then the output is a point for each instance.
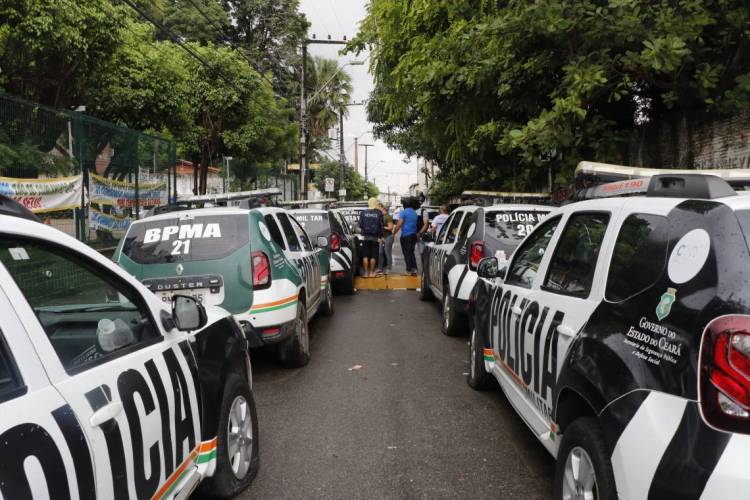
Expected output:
(266, 335)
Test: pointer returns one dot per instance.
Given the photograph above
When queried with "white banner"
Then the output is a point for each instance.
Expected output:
(121, 194)
(106, 222)
(44, 195)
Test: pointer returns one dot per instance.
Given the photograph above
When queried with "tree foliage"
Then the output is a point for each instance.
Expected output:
(497, 91)
(356, 188)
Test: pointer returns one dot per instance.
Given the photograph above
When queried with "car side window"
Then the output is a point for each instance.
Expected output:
(629, 272)
(528, 257)
(291, 236)
(465, 225)
(452, 232)
(89, 314)
(273, 228)
(11, 384)
(301, 235)
(571, 270)
(444, 229)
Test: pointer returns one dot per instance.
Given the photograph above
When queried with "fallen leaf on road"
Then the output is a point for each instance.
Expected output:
(394, 364)
(393, 447)
(355, 368)
(465, 374)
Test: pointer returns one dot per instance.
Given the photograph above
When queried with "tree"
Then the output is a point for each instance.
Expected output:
(496, 92)
(356, 189)
(51, 51)
(235, 112)
(200, 21)
(270, 32)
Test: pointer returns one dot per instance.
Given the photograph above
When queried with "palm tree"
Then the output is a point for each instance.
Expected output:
(328, 99)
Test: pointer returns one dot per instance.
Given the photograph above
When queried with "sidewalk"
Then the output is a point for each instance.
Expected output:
(397, 280)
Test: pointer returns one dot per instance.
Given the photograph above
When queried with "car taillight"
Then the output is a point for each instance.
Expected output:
(476, 254)
(725, 374)
(261, 270)
(335, 242)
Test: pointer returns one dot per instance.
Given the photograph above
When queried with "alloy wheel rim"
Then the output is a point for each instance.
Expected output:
(579, 477)
(240, 437)
(446, 310)
(304, 339)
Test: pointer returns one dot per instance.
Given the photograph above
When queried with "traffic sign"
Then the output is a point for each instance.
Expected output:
(342, 192)
(329, 184)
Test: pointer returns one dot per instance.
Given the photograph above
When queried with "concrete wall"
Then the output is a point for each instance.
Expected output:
(681, 142)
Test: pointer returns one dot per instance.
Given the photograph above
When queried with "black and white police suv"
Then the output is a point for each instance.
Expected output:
(342, 243)
(620, 332)
(107, 393)
(470, 234)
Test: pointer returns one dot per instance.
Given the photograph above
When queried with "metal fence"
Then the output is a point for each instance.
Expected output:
(85, 176)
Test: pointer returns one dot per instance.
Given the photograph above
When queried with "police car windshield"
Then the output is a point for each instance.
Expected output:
(315, 224)
(505, 229)
(206, 237)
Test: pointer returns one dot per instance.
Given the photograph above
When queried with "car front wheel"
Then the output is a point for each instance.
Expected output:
(425, 293)
(451, 324)
(583, 468)
(237, 458)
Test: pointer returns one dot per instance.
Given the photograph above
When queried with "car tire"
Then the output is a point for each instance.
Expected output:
(478, 378)
(295, 351)
(235, 471)
(326, 303)
(425, 294)
(451, 323)
(583, 454)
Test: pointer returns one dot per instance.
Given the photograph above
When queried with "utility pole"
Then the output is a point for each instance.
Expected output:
(342, 159)
(366, 146)
(304, 136)
(303, 127)
(356, 155)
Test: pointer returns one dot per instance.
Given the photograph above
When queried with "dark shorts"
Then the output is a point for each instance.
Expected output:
(370, 249)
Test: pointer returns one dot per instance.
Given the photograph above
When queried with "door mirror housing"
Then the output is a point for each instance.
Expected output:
(322, 242)
(187, 313)
(490, 268)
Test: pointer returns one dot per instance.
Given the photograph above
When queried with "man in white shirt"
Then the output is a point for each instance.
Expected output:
(439, 220)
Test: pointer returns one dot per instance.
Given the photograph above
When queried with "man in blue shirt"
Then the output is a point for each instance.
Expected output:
(408, 224)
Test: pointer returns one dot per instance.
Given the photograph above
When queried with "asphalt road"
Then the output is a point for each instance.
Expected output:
(405, 425)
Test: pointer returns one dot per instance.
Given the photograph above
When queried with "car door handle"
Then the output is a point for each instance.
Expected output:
(565, 330)
(105, 413)
(516, 310)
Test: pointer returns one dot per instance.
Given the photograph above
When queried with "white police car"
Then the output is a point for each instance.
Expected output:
(620, 332)
(470, 234)
(106, 393)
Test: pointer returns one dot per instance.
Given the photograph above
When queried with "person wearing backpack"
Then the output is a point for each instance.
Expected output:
(371, 224)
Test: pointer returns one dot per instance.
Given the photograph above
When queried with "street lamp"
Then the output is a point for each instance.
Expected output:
(303, 116)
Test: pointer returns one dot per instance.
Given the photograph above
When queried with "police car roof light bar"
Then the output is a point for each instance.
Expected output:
(664, 186)
(240, 195)
(605, 172)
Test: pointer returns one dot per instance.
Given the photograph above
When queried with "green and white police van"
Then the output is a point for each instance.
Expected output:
(258, 264)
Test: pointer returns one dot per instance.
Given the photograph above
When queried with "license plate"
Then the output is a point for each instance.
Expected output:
(199, 295)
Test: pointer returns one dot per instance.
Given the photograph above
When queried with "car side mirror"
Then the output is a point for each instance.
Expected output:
(322, 242)
(188, 313)
(489, 268)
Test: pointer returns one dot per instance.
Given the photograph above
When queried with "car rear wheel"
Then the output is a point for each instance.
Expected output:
(583, 468)
(478, 377)
(295, 351)
(326, 304)
(425, 294)
(237, 458)
(451, 324)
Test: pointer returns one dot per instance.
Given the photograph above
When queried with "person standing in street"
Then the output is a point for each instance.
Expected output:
(371, 224)
(385, 256)
(408, 224)
(439, 220)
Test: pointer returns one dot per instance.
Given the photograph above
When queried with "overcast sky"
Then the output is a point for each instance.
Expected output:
(340, 18)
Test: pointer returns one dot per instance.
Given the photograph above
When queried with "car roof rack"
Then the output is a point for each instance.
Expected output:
(9, 206)
(707, 187)
(292, 204)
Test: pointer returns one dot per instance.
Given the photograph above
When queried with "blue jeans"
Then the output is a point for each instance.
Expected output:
(385, 256)
(407, 245)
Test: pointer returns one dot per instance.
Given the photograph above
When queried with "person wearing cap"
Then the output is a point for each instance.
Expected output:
(371, 225)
